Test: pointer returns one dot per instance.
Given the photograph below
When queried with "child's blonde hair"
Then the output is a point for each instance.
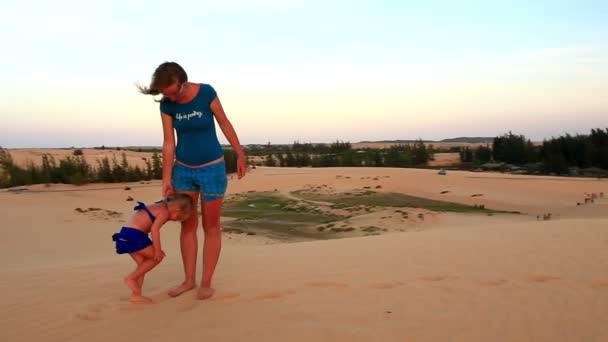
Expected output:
(183, 201)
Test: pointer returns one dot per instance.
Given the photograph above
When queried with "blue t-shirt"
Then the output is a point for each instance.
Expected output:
(197, 141)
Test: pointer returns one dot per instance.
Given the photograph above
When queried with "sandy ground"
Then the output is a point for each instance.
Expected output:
(456, 277)
(445, 158)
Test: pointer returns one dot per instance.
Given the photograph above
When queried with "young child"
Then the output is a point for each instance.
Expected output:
(133, 237)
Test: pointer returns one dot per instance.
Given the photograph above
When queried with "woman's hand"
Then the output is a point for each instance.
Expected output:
(241, 166)
(167, 189)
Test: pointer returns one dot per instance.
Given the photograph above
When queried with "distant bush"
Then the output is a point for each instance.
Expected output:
(341, 154)
(75, 170)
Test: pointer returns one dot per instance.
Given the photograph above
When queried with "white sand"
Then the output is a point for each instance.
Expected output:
(457, 278)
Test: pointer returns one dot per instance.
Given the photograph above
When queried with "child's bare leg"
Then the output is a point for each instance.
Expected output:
(138, 258)
(134, 281)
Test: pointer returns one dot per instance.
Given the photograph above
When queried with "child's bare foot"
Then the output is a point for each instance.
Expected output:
(133, 285)
(204, 293)
(184, 287)
(139, 299)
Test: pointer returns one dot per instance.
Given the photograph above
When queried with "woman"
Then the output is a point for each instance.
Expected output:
(196, 166)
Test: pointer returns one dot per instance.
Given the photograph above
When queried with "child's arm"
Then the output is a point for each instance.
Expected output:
(161, 219)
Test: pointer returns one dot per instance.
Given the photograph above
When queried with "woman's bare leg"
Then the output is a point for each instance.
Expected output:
(212, 211)
(189, 248)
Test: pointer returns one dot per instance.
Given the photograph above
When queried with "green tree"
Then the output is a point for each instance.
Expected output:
(466, 155)
(511, 148)
(302, 159)
(483, 154)
(47, 173)
(157, 166)
(281, 159)
(270, 161)
(119, 173)
(230, 159)
(421, 155)
(290, 160)
(378, 160)
(347, 159)
(104, 170)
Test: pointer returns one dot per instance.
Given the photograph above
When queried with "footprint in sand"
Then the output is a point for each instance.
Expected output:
(273, 294)
(433, 278)
(89, 316)
(541, 278)
(134, 306)
(327, 284)
(492, 282)
(192, 303)
(188, 306)
(596, 284)
(125, 305)
(92, 313)
(95, 312)
(384, 286)
(300, 316)
(225, 296)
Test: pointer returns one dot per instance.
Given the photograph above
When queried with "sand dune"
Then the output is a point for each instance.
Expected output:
(459, 277)
(22, 156)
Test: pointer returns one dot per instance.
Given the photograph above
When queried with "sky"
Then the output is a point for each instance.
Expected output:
(305, 70)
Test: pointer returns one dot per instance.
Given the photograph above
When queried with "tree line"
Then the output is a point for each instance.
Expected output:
(555, 155)
(341, 154)
(75, 170)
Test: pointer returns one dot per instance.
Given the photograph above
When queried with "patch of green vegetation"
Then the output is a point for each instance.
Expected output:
(233, 230)
(342, 201)
(282, 230)
(342, 230)
(111, 213)
(80, 210)
(275, 216)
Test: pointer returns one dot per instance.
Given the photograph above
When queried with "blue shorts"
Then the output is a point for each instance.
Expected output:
(131, 240)
(210, 180)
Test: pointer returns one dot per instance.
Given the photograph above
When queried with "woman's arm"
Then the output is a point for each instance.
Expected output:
(168, 154)
(230, 134)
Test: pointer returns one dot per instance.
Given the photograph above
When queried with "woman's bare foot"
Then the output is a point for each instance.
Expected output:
(139, 299)
(184, 287)
(204, 293)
